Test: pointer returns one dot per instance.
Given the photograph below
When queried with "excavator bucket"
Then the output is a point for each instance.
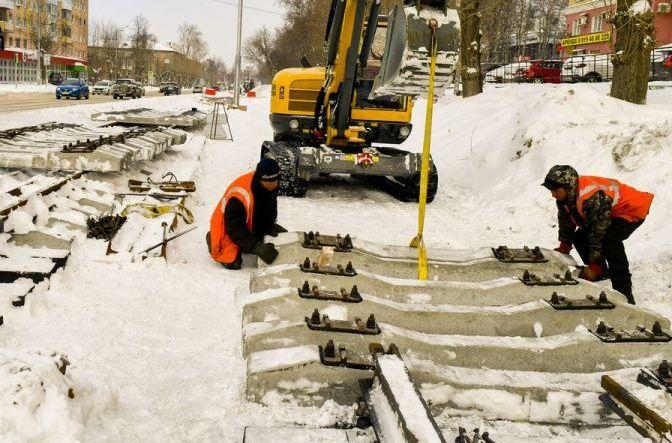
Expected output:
(406, 61)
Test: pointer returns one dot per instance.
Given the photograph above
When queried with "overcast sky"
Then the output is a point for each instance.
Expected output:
(216, 18)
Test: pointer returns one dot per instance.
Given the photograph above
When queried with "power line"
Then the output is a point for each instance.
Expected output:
(252, 8)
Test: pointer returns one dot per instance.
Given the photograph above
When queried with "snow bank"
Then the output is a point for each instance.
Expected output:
(26, 88)
(492, 152)
(39, 400)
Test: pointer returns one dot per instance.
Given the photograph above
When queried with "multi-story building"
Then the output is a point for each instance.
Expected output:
(162, 62)
(62, 26)
(589, 32)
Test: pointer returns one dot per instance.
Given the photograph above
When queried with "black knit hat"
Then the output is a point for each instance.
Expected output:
(268, 170)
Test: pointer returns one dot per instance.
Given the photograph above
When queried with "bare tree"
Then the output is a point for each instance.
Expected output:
(42, 28)
(191, 42)
(550, 23)
(635, 39)
(470, 47)
(142, 42)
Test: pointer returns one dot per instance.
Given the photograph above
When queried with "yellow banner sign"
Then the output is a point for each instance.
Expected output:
(597, 37)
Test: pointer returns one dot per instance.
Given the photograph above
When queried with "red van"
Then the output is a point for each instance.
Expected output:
(545, 71)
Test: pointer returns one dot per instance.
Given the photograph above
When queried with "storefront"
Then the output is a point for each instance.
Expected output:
(20, 66)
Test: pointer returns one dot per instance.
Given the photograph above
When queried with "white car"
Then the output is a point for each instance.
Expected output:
(588, 68)
(103, 87)
(508, 73)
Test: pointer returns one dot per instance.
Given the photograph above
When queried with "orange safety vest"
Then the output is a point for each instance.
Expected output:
(628, 203)
(223, 249)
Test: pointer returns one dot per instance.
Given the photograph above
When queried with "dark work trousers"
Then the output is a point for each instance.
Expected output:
(237, 263)
(614, 253)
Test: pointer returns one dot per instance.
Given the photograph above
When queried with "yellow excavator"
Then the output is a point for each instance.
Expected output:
(342, 117)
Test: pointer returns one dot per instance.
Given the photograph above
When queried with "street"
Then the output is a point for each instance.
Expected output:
(29, 101)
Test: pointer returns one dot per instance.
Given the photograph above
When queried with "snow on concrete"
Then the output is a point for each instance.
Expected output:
(158, 344)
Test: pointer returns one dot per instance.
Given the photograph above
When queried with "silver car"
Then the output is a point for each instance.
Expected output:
(103, 87)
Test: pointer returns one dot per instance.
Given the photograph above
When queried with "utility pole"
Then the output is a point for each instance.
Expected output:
(39, 39)
(236, 87)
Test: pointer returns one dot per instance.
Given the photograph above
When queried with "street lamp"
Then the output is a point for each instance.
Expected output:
(236, 92)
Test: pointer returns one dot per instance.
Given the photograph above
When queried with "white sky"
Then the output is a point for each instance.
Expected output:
(216, 18)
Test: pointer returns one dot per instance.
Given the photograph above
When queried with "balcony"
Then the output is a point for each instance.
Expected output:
(66, 5)
(7, 4)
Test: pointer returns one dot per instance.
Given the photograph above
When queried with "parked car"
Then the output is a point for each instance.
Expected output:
(73, 87)
(661, 63)
(169, 88)
(544, 71)
(587, 68)
(103, 87)
(126, 87)
(55, 78)
(197, 90)
(507, 73)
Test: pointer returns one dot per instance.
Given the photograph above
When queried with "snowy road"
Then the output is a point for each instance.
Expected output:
(155, 345)
(26, 102)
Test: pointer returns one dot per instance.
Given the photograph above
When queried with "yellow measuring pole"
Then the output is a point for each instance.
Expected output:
(419, 242)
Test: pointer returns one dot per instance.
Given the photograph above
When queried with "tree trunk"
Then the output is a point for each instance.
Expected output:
(470, 47)
(632, 55)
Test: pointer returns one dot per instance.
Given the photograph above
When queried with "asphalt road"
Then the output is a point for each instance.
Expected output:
(28, 101)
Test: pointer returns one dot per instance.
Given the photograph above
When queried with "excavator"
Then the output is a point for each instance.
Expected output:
(341, 118)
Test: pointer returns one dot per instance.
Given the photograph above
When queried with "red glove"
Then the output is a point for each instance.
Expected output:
(564, 248)
(592, 272)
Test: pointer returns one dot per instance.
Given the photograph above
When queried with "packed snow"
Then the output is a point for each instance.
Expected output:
(155, 345)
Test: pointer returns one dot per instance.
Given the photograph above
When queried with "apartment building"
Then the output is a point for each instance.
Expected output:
(63, 27)
(589, 32)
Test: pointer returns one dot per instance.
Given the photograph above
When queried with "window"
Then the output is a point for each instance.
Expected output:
(597, 23)
(576, 27)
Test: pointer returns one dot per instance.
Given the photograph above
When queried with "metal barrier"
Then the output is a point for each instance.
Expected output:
(578, 68)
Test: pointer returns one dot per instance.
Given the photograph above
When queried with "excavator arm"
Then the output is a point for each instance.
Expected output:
(351, 30)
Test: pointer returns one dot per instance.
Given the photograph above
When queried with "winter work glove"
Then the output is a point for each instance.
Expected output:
(564, 248)
(592, 272)
(276, 229)
(266, 252)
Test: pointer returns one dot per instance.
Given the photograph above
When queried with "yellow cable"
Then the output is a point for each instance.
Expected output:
(419, 242)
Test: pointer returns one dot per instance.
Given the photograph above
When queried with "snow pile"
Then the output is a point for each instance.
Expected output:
(36, 398)
(26, 88)
(492, 152)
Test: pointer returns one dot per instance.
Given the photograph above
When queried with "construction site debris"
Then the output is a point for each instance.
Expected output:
(105, 227)
(150, 117)
(80, 148)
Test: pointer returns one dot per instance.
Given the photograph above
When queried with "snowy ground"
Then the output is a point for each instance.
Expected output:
(155, 346)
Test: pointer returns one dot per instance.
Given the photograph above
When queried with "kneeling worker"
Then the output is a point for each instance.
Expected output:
(596, 215)
(245, 215)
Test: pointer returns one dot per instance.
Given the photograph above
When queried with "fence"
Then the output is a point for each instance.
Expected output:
(578, 68)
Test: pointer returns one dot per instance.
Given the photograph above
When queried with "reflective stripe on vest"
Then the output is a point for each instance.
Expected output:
(245, 198)
(627, 203)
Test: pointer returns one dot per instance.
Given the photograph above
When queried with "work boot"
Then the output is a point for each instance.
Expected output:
(235, 265)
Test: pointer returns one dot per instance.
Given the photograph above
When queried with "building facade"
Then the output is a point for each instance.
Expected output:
(60, 26)
(161, 63)
(589, 32)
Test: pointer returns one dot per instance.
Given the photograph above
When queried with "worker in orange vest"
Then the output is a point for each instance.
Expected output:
(245, 215)
(596, 215)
